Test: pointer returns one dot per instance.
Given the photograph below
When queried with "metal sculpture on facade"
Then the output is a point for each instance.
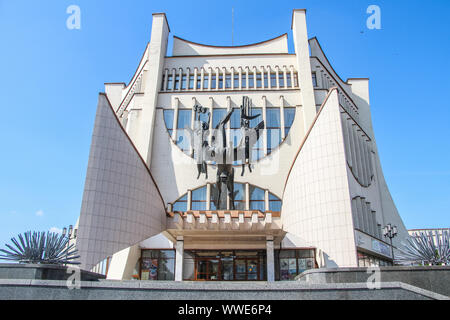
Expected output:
(221, 152)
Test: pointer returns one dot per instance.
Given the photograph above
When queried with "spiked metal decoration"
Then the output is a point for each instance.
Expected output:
(42, 248)
(426, 248)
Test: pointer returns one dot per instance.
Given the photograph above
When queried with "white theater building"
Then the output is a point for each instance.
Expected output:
(316, 196)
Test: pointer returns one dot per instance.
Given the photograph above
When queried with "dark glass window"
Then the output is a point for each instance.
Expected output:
(289, 80)
(236, 81)
(251, 79)
(273, 80)
(177, 82)
(213, 81)
(220, 82)
(198, 86)
(266, 80)
(314, 79)
(239, 199)
(168, 120)
(292, 262)
(157, 265)
(289, 116)
(281, 79)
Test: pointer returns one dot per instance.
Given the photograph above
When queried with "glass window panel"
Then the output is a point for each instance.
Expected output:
(296, 79)
(228, 81)
(169, 82)
(218, 115)
(251, 80)
(273, 117)
(166, 269)
(239, 190)
(199, 83)
(191, 81)
(266, 80)
(184, 118)
(240, 265)
(256, 121)
(289, 116)
(205, 81)
(188, 268)
(314, 79)
(273, 139)
(257, 205)
(213, 81)
(197, 205)
(162, 82)
(220, 82)
(258, 80)
(183, 82)
(244, 80)
(256, 193)
(273, 197)
(168, 118)
(180, 206)
(289, 80)
(287, 253)
(177, 82)
(281, 79)
(167, 254)
(275, 205)
(182, 139)
(199, 194)
(235, 120)
(236, 81)
(273, 80)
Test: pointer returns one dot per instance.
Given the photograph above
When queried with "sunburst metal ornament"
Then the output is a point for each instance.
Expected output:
(427, 248)
(41, 248)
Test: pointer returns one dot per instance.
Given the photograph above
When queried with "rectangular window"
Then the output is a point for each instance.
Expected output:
(168, 119)
(162, 83)
(228, 81)
(273, 80)
(199, 199)
(198, 85)
(191, 82)
(289, 80)
(274, 203)
(183, 82)
(251, 82)
(281, 79)
(266, 80)
(292, 262)
(273, 128)
(296, 79)
(258, 80)
(184, 121)
(213, 81)
(157, 265)
(257, 199)
(205, 82)
(314, 79)
(236, 81)
(220, 82)
(177, 82)
(169, 82)
(239, 199)
(218, 115)
(244, 80)
(289, 115)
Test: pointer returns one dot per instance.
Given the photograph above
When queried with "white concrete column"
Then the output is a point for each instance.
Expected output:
(211, 109)
(224, 72)
(264, 136)
(277, 75)
(285, 76)
(210, 78)
(202, 75)
(247, 196)
(189, 200)
(270, 259)
(179, 255)
(254, 78)
(195, 78)
(269, 73)
(188, 74)
(246, 78)
(208, 196)
(282, 117)
(228, 126)
(194, 101)
(175, 106)
(217, 78)
(232, 78)
(166, 74)
(173, 79)
(180, 74)
(240, 78)
(266, 199)
(263, 74)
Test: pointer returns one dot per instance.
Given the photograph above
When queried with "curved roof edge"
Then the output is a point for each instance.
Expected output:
(183, 47)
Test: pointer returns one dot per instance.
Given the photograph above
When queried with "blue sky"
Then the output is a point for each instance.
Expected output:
(51, 76)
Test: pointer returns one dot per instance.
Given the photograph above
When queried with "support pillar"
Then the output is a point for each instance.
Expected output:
(179, 255)
(270, 259)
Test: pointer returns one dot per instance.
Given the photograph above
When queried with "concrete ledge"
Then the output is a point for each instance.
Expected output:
(11, 289)
(432, 278)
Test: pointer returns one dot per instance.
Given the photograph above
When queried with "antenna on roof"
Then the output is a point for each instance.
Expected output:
(232, 26)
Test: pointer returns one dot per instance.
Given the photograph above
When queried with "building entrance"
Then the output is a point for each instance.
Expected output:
(237, 265)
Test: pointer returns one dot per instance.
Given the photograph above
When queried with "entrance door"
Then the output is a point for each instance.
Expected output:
(208, 269)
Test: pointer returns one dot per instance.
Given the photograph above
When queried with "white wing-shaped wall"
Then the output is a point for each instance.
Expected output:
(121, 202)
(316, 200)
